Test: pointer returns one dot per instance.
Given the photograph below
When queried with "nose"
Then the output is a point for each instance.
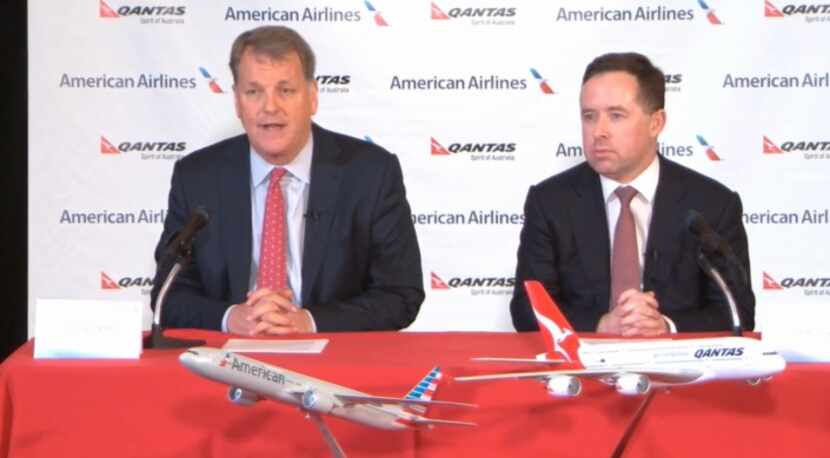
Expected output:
(601, 127)
(271, 102)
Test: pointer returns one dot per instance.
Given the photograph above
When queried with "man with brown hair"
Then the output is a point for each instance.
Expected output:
(310, 230)
(608, 238)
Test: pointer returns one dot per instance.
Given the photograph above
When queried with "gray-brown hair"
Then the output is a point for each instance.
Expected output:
(276, 42)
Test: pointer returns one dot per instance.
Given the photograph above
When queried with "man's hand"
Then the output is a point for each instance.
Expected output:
(636, 314)
(275, 313)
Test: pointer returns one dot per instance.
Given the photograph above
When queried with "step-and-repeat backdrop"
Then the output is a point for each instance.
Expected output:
(478, 99)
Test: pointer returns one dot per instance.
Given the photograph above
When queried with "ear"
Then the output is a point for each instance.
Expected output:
(657, 122)
(236, 102)
(313, 94)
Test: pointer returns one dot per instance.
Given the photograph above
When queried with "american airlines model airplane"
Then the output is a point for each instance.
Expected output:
(634, 367)
(251, 381)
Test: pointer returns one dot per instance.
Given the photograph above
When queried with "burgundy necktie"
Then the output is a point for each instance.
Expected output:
(271, 273)
(625, 263)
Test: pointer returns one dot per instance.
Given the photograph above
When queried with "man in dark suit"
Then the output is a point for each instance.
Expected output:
(608, 237)
(309, 230)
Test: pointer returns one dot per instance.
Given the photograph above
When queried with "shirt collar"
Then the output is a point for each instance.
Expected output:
(299, 168)
(645, 183)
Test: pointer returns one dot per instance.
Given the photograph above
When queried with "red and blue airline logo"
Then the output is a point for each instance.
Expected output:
(710, 13)
(543, 83)
(710, 150)
(214, 86)
(378, 18)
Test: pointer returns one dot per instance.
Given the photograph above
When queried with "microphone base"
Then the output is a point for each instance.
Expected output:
(156, 340)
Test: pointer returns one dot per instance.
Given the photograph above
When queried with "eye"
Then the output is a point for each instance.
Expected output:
(588, 116)
(287, 90)
(251, 91)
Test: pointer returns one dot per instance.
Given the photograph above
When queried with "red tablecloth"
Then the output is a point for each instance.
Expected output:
(154, 407)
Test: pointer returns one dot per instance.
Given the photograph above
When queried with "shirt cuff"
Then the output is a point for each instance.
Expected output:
(672, 327)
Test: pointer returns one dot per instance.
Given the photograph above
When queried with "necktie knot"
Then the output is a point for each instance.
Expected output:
(276, 174)
(625, 194)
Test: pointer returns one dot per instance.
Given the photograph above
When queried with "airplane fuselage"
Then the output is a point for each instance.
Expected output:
(720, 358)
(290, 387)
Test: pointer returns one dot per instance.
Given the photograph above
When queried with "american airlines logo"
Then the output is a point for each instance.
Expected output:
(709, 149)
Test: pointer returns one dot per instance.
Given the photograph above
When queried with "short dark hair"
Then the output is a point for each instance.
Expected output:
(275, 41)
(651, 79)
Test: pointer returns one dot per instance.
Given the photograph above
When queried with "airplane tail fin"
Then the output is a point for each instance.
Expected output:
(424, 390)
(561, 341)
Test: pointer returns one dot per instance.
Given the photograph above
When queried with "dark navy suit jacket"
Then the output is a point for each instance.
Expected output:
(361, 266)
(565, 245)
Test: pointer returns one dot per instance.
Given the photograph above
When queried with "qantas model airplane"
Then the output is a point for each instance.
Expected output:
(634, 367)
(251, 380)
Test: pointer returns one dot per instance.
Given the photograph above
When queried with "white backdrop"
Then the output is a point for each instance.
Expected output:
(119, 89)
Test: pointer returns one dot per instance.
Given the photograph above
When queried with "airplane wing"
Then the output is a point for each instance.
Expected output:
(423, 421)
(519, 360)
(366, 399)
(666, 376)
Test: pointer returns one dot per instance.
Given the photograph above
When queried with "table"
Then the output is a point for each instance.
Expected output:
(154, 407)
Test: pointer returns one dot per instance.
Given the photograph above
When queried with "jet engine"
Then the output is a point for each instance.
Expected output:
(633, 384)
(242, 397)
(564, 385)
(318, 402)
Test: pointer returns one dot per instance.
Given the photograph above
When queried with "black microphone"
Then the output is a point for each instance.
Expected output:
(180, 245)
(710, 241)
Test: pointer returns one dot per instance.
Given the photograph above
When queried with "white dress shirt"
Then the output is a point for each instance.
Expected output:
(295, 185)
(641, 208)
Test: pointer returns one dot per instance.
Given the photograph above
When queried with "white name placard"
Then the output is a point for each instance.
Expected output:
(70, 328)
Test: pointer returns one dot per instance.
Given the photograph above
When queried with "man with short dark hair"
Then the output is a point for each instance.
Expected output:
(309, 230)
(608, 237)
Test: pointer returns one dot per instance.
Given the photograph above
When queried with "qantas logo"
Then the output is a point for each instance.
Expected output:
(148, 14)
(107, 283)
(710, 150)
(379, 21)
(212, 84)
(718, 352)
(437, 149)
(769, 147)
(107, 148)
(543, 83)
(710, 13)
(812, 149)
(806, 9)
(795, 282)
(436, 282)
(770, 283)
(438, 14)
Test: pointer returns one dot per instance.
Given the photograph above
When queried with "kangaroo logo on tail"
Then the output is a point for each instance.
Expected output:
(558, 333)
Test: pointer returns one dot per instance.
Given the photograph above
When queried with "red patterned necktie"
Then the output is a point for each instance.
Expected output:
(272, 273)
(625, 263)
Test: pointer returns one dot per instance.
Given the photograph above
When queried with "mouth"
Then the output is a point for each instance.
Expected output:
(271, 126)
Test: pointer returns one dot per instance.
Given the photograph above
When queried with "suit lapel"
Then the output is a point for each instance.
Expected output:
(591, 227)
(326, 175)
(235, 202)
(666, 214)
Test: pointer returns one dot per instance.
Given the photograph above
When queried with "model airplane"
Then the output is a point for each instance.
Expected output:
(251, 381)
(634, 367)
